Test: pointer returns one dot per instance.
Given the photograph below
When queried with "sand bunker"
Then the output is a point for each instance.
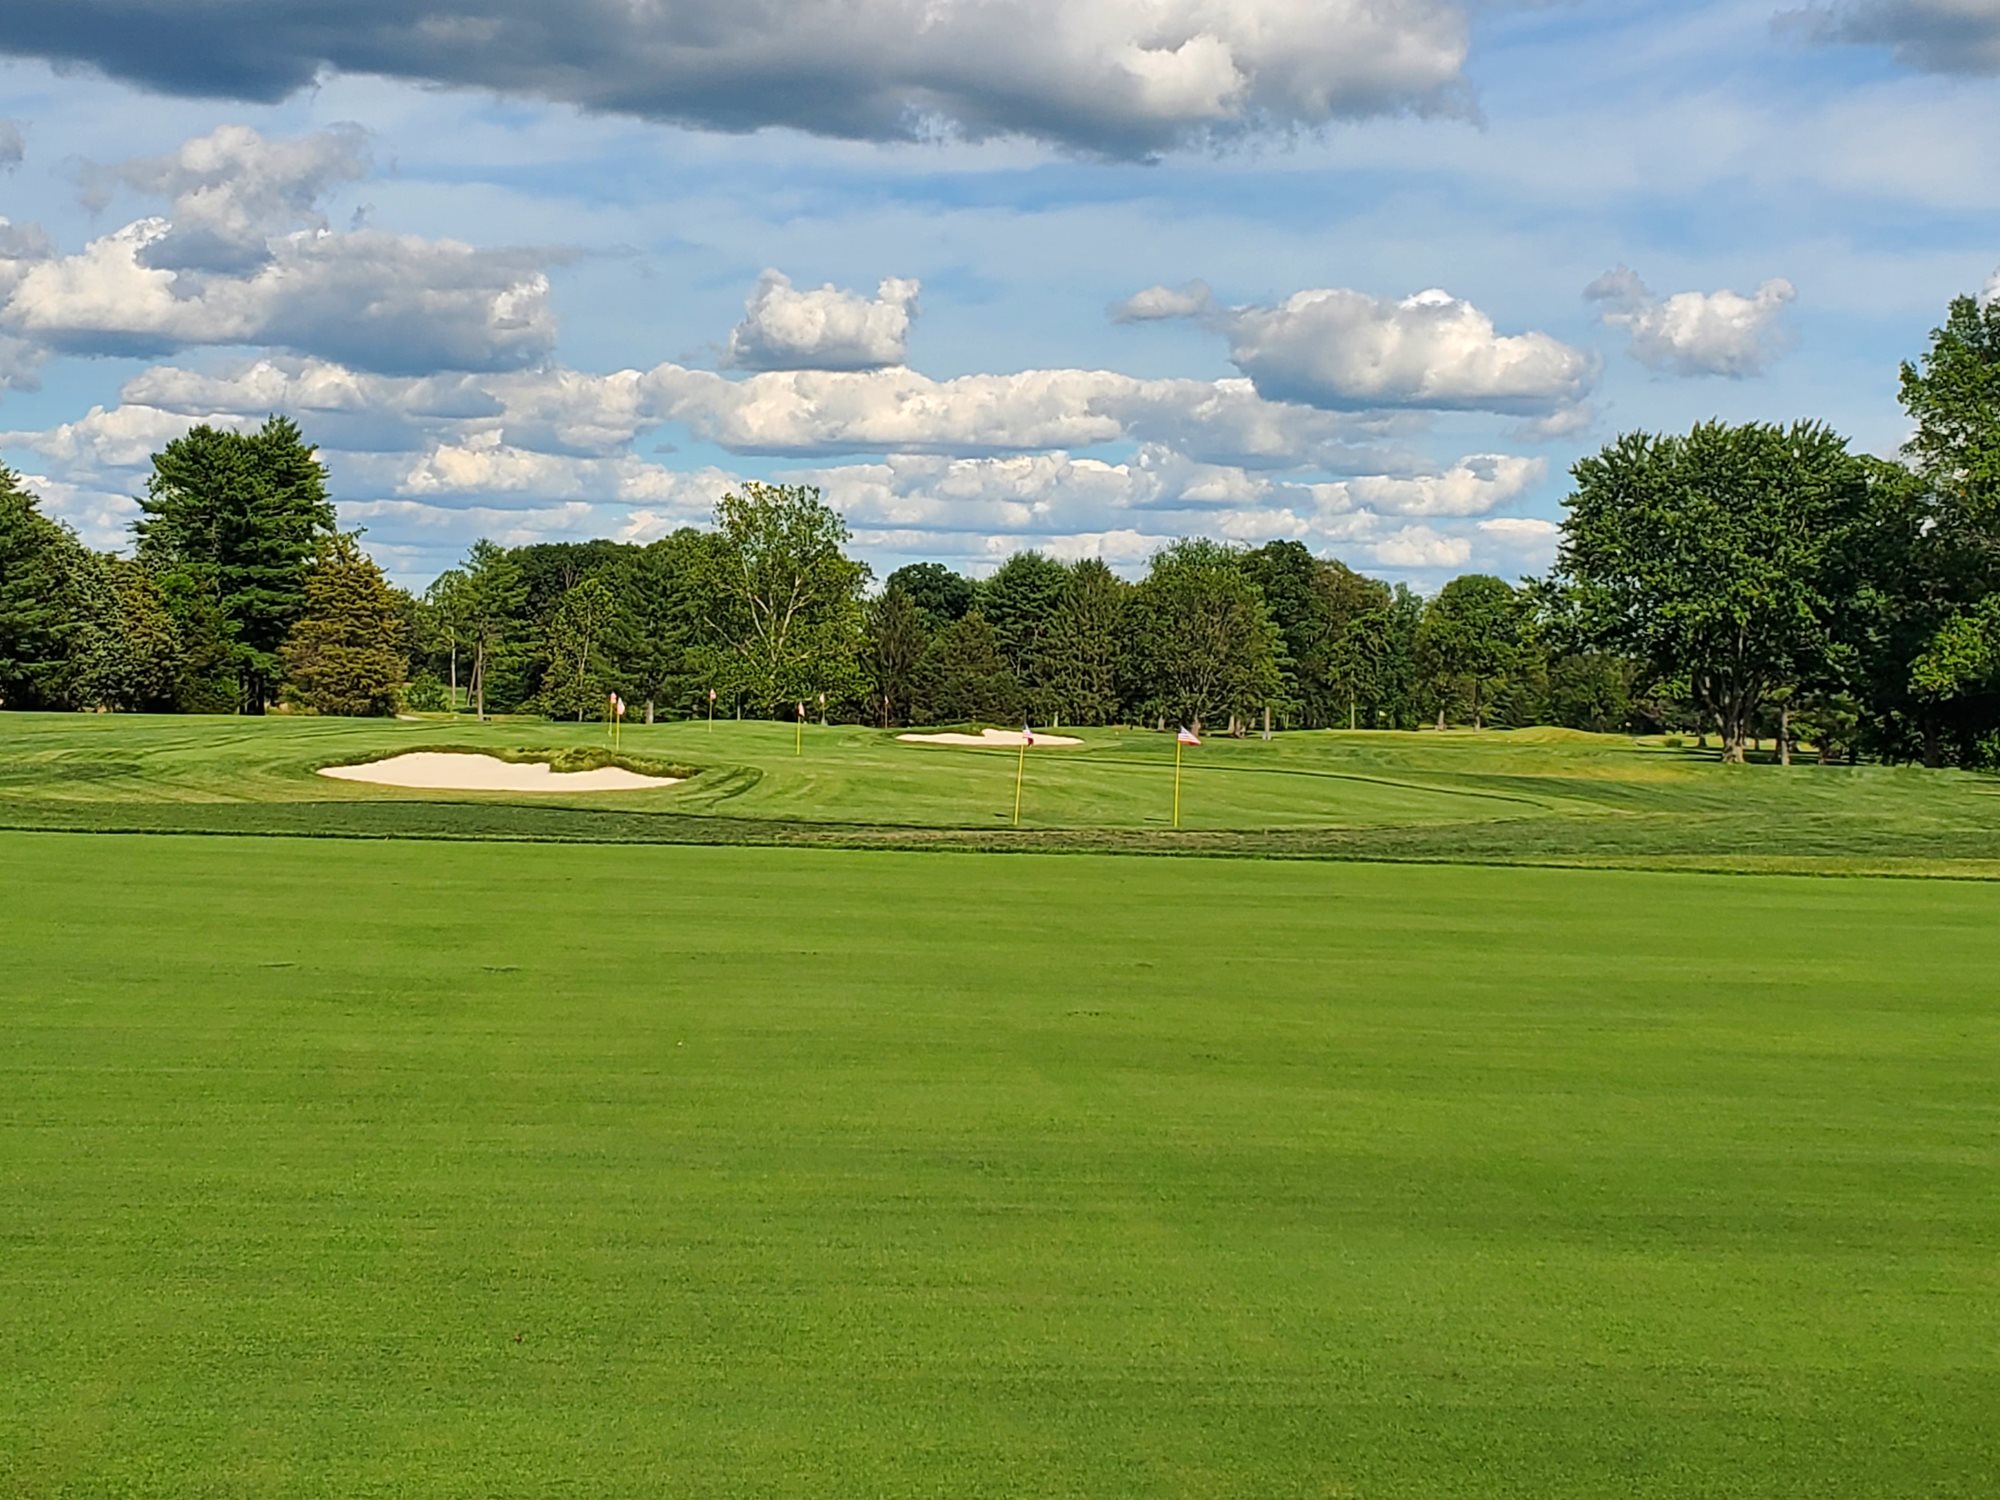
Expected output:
(988, 738)
(446, 771)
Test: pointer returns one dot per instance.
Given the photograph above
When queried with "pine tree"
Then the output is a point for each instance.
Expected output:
(128, 648)
(1020, 601)
(239, 515)
(965, 680)
(1080, 655)
(347, 654)
(897, 639)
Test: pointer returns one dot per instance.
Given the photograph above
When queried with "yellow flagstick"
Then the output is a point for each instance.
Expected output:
(711, 710)
(1179, 747)
(799, 738)
(1020, 773)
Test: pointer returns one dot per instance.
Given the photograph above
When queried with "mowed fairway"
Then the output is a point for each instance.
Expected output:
(334, 1168)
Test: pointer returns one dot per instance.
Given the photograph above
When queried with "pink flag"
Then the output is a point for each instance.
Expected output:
(1187, 736)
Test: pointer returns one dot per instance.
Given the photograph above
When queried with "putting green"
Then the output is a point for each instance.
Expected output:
(1535, 796)
(427, 1169)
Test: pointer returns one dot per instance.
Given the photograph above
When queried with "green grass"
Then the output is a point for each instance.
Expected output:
(1539, 797)
(452, 1169)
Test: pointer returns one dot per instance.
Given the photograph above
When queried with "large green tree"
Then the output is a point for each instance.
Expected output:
(1323, 610)
(127, 649)
(1470, 637)
(238, 516)
(1021, 601)
(1707, 557)
(964, 678)
(1929, 572)
(658, 616)
(898, 637)
(348, 652)
(491, 602)
(784, 598)
(39, 612)
(1081, 654)
(576, 683)
(941, 594)
(1202, 644)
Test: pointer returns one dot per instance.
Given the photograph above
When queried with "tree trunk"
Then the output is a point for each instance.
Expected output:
(1785, 735)
(1478, 719)
(1440, 718)
(454, 675)
(649, 710)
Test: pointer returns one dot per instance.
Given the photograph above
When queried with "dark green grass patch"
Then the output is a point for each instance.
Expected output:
(473, 1170)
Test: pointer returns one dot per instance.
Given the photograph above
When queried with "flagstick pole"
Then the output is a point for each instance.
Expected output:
(1178, 749)
(1020, 772)
(799, 739)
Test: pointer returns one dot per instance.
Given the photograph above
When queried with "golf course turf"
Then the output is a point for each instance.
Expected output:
(420, 1168)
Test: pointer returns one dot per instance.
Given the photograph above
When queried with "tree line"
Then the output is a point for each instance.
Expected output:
(1746, 582)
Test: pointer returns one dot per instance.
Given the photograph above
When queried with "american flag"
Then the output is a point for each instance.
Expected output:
(1187, 736)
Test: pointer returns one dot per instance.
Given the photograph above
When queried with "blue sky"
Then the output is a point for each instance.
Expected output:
(1020, 275)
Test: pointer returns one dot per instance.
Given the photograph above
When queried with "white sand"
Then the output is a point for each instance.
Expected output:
(444, 771)
(987, 738)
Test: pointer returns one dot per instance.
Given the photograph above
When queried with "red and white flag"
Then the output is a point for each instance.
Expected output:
(617, 706)
(1027, 735)
(711, 695)
(1187, 736)
(802, 710)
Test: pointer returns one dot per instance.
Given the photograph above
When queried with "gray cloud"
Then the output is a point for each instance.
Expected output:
(244, 257)
(383, 302)
(1935, 36)
(230, 192)
(13, 145)
(1123, 77)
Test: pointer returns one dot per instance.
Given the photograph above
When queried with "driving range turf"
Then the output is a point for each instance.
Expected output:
(460, 1165)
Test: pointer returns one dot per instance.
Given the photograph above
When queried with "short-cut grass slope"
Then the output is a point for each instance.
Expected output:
(467, 1170)
(1535, 796)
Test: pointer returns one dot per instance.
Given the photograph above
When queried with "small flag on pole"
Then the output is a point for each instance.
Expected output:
(799, 731)
(1181, 741)
(1021, 770)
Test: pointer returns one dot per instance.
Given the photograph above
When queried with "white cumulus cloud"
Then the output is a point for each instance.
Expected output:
(1696, 333)
(822, 328)
(1347, 350)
